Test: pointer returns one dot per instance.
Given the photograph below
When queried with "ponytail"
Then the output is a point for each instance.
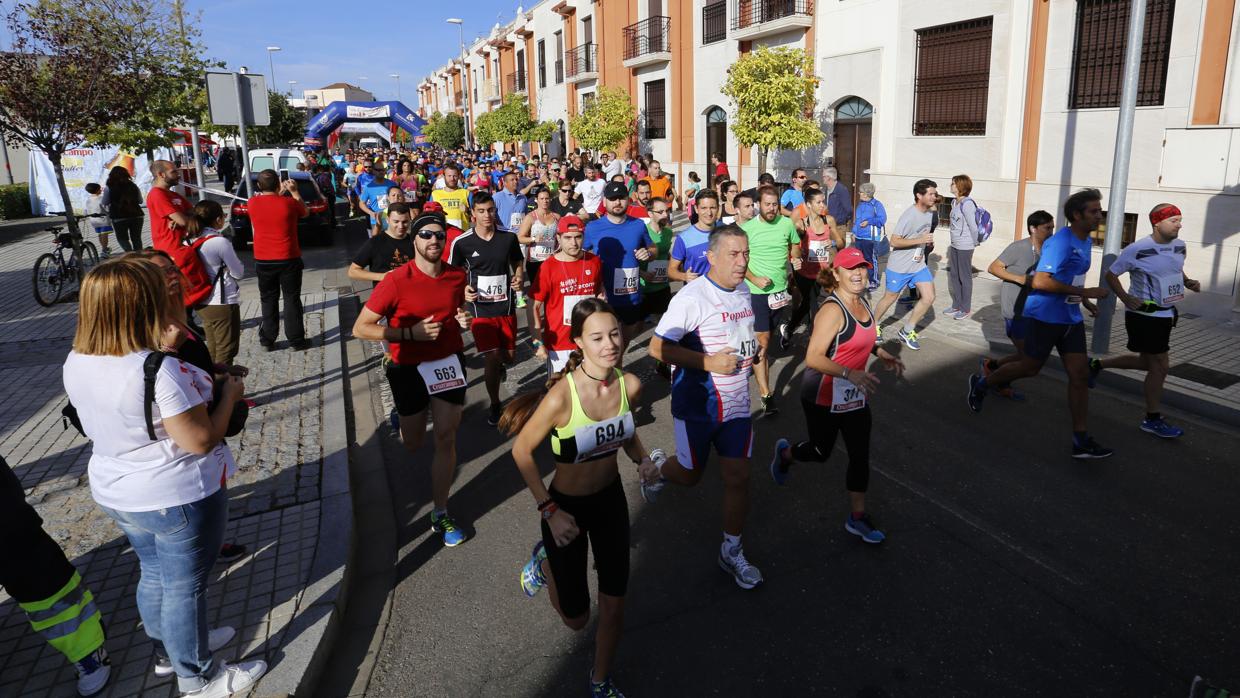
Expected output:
(520, 408)
(826, 278)
(193, 228)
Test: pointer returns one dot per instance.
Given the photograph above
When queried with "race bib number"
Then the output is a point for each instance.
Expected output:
(1169, 289)
(1079, 282)
(514, 221)
(658, 270)
(492, 289)
(819, 250)
(381, 201)
(538, 253)
(777, 300)
(626, 280)
(602, 438)
(921, 253)
(571, 302)
(442, 375)
(845, 396)
(742, 339)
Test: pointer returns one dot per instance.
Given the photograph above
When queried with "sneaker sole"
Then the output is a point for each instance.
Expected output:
(1091, 456)
(775, 459)
(1167, 437)
(910, 345)
(723, 565)
(161, 672)
(968, 397)
(859, 534)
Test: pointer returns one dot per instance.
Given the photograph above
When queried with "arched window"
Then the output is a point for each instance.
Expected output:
(854, 109)
(716, 116)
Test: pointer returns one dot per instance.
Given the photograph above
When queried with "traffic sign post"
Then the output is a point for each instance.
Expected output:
(239, 99)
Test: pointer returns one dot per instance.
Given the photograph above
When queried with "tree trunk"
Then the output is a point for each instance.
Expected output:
(70, 219)
(761, 161)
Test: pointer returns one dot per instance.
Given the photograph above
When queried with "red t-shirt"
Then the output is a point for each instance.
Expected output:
(273, 219)
(453, 233)
(162, 203)
(634, 211)
(406, 296)
(721, 171)
(559, 280)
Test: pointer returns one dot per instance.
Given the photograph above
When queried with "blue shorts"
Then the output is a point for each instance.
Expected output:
(732, 439)
(897, 282)
(1016, 328)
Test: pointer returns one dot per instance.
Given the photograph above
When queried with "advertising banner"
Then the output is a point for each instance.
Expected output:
(353, 111)
(81, 167)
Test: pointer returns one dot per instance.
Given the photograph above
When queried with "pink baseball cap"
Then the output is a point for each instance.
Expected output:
(850, 258)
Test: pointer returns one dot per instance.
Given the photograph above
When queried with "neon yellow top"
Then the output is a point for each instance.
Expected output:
(455, 205)
(584, 439)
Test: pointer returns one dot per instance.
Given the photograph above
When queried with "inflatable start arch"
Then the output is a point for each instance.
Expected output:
(338, 113)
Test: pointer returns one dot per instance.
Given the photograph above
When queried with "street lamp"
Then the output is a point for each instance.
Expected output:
(272, 64)
(291, 83)
(397, 76)
(460, 25)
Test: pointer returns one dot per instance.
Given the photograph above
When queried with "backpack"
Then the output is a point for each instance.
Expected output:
(200, 286)
(985, 224)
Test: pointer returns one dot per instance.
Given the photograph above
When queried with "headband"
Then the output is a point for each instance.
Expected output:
(426, 219)
(1161, 214)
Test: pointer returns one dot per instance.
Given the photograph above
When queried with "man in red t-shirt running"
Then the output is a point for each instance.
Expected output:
(423, 303)
(169, 210)
(567, 277)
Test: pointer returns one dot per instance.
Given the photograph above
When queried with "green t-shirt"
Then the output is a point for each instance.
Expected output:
(768, 251)
(663, 251)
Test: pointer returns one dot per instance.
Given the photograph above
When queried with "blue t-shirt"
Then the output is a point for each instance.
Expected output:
(374, 194)
(690, 250)
(615, 244)
(1066, 258)
(791, 199)
(505, 206)
(363, 178)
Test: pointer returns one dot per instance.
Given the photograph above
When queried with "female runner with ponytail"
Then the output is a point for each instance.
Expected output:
(587, 419)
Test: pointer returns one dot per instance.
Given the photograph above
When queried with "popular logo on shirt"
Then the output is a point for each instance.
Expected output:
(733, 317)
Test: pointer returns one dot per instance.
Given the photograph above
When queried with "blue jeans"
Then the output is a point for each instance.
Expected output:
(867, 248)
(176, 548)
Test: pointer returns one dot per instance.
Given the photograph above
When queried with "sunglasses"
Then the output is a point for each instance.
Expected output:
(428, 234)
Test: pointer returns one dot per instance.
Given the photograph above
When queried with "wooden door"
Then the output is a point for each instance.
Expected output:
(852, 154)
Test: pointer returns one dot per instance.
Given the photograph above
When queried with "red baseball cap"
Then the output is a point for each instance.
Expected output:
(570, 223)
(432, 207)
(850, 258)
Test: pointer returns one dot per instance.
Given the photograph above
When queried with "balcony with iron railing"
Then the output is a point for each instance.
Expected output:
(755, 19)
(581, 63)
(514, 83)
(648, 42)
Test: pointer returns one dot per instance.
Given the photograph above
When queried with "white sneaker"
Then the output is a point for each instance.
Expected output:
(93, 672)
(216, 638)
(734, 563)
(232, 678)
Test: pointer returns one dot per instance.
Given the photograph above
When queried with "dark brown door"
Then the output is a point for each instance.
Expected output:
(716, 140)
(852, 154)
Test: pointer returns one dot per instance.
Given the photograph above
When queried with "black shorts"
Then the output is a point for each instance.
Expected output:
(1148, 334)
(531, 271)
(656, 302)
(603, 519)
(764, 319)
(630, 314)
(1042, 337)
(409, 390)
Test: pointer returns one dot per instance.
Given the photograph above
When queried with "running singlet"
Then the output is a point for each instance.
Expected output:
(560, 286)
(1155, 273)
(850, 349)
(707, 318)
(406, 296)
(615, 244)
(455, 205)
(584, 439)
(489, 265)
(690, 250)
(1066, 258)
(544, 240)
(817, 250)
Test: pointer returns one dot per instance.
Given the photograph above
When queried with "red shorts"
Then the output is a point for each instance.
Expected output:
(491, 333)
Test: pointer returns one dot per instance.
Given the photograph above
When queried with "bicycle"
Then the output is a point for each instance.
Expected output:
(52, 272)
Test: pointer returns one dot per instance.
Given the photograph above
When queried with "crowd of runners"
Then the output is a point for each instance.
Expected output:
(464, 242)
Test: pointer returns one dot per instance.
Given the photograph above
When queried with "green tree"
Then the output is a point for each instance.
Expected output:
(484, 129)
(288, 124)
(607, 120)
(511, 122)
(446, 130)
(541, 132)
(772, 93)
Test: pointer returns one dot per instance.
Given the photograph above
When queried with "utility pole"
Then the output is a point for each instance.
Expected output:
(193, 122)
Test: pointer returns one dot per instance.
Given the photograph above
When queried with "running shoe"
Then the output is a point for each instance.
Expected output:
(494, 414)
(961, 314)
(452, 536)
(216, 638)
(878, 335)
(780, 463)
(1090, 450)
(744, 574)
(1095, 367)
(769, 408)
(230, 552)
(1161, 429)
(93, 671)
(1010, 393)
(976, 395)
(604, 688)
(651, 490)
(951, 311)
(1202, 688)
(910, 339)
(394, 421)
(864, 527)
(532, 577)
(232, 679)
(785, 338)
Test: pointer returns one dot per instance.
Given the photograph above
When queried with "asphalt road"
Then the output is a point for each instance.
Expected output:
(1009, 569)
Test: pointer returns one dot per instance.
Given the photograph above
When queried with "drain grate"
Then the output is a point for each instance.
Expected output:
(1204, 376)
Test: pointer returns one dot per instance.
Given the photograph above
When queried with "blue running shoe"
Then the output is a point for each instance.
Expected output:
(910, 339)
(604, 688)
(1095, 367)
(452, 536)
(864, 528)
(532, 577)
(976, 394)
(780, 464)
(734, 563)
(394, 420)
(1161, 429)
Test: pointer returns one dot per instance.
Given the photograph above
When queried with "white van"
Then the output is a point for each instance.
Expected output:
(277, 159)
(369, 143)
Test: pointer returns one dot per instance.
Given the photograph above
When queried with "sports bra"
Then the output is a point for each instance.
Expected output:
(584, 439)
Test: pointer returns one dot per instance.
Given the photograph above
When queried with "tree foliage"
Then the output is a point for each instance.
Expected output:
(773, 100)
(511, 123)
(288, 124)
(607, 120)
(484, 129)
(446, 130)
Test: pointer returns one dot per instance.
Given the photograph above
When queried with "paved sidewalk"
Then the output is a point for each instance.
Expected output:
(289, 503)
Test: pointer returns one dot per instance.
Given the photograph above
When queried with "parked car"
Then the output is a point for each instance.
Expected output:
(277, 159)
(314, 229)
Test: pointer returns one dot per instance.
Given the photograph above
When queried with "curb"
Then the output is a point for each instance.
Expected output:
(316, 621)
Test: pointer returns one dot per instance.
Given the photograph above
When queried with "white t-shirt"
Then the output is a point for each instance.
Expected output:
(1155, 272)
(128, 471)
(591, 193)
(218, 251)
(612, 168)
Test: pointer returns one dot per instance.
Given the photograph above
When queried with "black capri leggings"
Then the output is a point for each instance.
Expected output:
(809, 298)
(823, 425)
(603, 517)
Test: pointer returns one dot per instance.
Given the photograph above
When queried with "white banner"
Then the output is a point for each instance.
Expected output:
(355, 112)
(82, 166)
(380, 130)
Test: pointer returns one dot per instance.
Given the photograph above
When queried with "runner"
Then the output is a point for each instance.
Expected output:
(656, 291)
(773, 242)
(492, 259)
(836, 387)
(570, 276)
(745, 206)
(453, 197)
(661, 184)
(536, 234)
(584, 508)
(688, 257)
(906, 266)
(1055, 322)
(382, 254)
(591, 191)
(622, 242)
(374, 197)
(1014, 266)
(820, 242)
(1156, 283)
(423, 303)
(707, 333)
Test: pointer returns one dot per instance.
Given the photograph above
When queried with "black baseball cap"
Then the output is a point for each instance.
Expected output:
(615, 190)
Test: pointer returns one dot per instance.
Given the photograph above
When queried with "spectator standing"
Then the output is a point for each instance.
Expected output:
(720, 167)
(169, 210)
(226, 168)
(123, 200)
(274, 212)
(221, 317)
(839, 199)
(960, 253)
(97, 214)
(868, 222)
